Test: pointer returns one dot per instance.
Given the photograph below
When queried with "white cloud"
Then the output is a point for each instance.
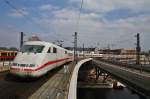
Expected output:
(109, 5)
(18, 13)
(47, 7)
(93, 28)
(9, 36)
(64, 13)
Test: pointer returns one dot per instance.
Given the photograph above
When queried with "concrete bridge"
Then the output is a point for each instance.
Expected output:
(135, 79)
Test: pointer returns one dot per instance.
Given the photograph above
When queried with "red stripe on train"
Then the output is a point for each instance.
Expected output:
(46, 64)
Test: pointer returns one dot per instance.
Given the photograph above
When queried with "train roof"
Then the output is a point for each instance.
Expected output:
(37, 43)
(43, 43)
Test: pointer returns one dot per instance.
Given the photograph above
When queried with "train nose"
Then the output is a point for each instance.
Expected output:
(27, 57)
(20, 72)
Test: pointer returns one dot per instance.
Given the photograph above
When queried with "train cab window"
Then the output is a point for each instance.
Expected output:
(32, 48)
(54, 50)
(49, 50)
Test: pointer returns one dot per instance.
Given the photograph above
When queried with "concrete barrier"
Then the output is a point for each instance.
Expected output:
(73, 83)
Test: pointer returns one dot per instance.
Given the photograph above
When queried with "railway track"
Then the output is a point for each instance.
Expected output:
(132, 66)
(16, 88)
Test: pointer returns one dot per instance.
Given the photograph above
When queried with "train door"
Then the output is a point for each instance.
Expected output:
(63, 56)
(60, 56)
(50, 57)
(55, 51)
(49, 54)
(66, 55)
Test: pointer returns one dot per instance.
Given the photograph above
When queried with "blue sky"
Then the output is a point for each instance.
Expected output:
(102, 23)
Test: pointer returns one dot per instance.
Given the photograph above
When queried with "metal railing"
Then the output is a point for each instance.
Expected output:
(128, 64)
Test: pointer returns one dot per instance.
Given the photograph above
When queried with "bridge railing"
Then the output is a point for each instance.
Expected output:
(141, 67)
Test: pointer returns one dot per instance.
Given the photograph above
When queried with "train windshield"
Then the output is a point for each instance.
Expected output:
(32, 48)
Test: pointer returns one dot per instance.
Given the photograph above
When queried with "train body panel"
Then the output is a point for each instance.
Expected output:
(37, 58)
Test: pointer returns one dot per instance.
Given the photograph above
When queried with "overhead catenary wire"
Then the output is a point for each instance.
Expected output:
(76, 31)
(25, 16)
(77, 22)
(79, 16)
(64, 38)
(20, 12)
(28, 18)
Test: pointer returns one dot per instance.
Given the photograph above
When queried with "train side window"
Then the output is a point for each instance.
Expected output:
(65, 52)
(54, 50)
(49, 50)
(70, 54)
(4, 54)
(13, 54)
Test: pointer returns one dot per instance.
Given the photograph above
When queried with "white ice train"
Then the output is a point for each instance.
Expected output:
(36, 58)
